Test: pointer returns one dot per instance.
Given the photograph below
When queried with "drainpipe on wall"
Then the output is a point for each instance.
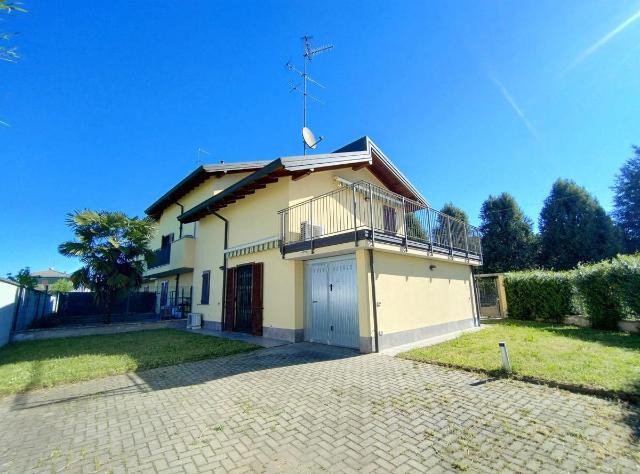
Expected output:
(224, 269)
(375, 300)
(181, 212)
(175, 298)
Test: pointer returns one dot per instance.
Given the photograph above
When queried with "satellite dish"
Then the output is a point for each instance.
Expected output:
(309, 138)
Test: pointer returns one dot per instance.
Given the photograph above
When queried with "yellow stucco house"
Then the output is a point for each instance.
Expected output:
(337, 248)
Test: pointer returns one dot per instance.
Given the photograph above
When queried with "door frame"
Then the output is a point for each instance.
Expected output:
(307, 291)
(257, 298)
(248, 266)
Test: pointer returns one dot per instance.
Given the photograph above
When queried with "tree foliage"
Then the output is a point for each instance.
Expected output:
(113, 249)
(63, 285)
(508, 241)
(626, 201)
(574, 228)
(451, 210)
(24, 278)
(9, 53)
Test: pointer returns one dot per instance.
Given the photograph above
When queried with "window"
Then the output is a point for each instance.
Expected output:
(389, 218)
(166, 241)
(206, 282)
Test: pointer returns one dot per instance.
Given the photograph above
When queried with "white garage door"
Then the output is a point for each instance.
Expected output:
(331, 302)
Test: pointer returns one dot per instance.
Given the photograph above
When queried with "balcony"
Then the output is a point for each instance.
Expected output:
(173, 259)
(364, 211)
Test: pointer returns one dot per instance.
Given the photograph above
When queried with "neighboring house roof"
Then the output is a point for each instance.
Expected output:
(197, 177)
(361, 153)
(50, 273)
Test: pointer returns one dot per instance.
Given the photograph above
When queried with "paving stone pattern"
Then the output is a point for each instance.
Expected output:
(311, 408)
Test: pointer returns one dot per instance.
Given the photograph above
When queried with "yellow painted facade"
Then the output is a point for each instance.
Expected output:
(411, 295)
(408, 294)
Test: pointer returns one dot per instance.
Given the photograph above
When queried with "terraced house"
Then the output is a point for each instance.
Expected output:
(337, 248)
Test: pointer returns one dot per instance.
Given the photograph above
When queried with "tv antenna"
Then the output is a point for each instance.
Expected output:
(199, 153)
(308, 139)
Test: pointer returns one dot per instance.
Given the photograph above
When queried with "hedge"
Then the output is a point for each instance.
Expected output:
(539, 294)
(609, 290)
(605, 292)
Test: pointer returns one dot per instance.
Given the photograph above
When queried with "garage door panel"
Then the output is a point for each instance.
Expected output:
(343, 304)
(317, 324)
(331, 302)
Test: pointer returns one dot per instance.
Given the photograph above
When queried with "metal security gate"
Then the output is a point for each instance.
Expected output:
(243, 299)
(331, 302)
(489, 296)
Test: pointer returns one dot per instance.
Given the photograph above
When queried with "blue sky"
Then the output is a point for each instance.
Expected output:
(111, 100)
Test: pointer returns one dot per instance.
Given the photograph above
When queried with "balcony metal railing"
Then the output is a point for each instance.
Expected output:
(161, 256)
(363, 210)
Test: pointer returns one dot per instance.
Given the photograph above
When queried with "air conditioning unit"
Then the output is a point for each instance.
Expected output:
(194, 321)
(305, 230)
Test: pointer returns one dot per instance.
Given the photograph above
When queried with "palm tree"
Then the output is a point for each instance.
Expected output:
(113, 248)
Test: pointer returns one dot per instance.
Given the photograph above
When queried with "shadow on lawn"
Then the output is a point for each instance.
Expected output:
(633, 416)
(185, 374)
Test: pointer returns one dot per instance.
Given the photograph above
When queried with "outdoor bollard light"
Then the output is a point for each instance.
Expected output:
(505, 356)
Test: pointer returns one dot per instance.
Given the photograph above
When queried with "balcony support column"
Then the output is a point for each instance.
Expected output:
(355, 224)
(466, 242)
(430, 231)
(450, 241)
(311, 222)
(404, 223)
(373, 229)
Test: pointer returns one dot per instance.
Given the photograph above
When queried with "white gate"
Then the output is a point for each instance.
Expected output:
(331, 302)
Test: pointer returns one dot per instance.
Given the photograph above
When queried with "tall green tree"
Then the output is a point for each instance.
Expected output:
(451, 210)
(453, 227)
(626, 201)
(575, 228)
(113, 249)
(508, 241)
(24, 278)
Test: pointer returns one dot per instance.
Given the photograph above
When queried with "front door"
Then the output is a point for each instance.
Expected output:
(243, 299)
(332, 302)
(242, 321)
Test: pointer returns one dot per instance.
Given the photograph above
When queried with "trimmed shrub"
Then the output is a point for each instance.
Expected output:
(605, 292)
(609, 290)
(539, 294)
(629, 270)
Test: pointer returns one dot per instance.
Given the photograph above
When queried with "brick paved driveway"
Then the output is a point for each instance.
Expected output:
(308, 408)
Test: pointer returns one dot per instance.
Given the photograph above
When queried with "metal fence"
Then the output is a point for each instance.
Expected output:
(172, 302)
(33, 305)
(20, 308)
(363, 205)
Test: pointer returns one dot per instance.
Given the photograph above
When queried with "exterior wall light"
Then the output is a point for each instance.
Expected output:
(432, 267)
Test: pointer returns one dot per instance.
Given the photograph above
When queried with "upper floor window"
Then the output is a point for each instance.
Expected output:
(389, 218)
(166, 240)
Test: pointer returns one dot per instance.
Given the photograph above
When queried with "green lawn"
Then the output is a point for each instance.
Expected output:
(579, 356)
(36, 364)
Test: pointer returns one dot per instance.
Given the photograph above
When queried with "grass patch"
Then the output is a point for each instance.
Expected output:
(589, 358)
(37, 364)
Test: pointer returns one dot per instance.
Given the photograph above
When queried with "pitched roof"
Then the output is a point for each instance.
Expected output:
(50, 273)
(362, 152)
(197, 177)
